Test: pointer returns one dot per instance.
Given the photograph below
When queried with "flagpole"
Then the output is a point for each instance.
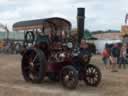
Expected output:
(126, 18)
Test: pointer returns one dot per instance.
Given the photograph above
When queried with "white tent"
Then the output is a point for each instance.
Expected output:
(100, 44)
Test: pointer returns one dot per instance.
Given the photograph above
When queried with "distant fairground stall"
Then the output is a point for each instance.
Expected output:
(124, 31)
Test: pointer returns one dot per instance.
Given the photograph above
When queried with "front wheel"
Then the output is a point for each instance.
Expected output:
(92, 75)
(69, 77)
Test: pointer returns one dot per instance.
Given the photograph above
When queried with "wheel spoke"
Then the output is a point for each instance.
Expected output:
(89, 70)
(94, 70)
(35, 57)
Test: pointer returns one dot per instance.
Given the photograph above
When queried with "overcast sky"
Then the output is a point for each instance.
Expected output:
(100, 14)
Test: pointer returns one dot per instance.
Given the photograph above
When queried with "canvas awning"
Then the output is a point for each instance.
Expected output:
(55, 22)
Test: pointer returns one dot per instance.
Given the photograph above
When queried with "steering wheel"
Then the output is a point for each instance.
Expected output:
(29, 38)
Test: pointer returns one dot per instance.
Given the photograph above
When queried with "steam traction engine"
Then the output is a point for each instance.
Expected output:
(49, 52)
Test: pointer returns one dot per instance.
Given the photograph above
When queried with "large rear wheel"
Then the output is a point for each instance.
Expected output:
(33, 65)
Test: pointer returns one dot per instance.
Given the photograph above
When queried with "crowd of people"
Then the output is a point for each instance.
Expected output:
(10, 48)
(115, 56)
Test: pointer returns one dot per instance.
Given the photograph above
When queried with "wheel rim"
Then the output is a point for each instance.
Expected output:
(92, 76)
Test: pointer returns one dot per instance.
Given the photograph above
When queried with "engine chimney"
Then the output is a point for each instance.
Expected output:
(80, 23)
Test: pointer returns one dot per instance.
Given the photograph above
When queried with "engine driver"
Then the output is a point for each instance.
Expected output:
(84, 51)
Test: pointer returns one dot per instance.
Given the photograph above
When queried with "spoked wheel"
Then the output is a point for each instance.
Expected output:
(92, 75)
(29, 38)
(69, 77)
(33, 65)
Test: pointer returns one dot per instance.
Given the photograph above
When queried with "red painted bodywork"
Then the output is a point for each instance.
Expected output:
(57, 66)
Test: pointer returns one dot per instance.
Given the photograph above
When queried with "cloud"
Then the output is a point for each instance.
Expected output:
(100, 14)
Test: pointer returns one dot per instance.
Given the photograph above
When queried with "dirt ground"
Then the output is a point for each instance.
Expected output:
(12, 83)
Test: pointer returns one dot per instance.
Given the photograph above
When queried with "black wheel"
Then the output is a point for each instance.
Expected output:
(92, 75)
(33, 65)
(69, 77)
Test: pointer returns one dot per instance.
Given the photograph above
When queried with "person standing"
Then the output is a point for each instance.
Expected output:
(123, 54)
(84, 52)
(115, 53)
(105, 57)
